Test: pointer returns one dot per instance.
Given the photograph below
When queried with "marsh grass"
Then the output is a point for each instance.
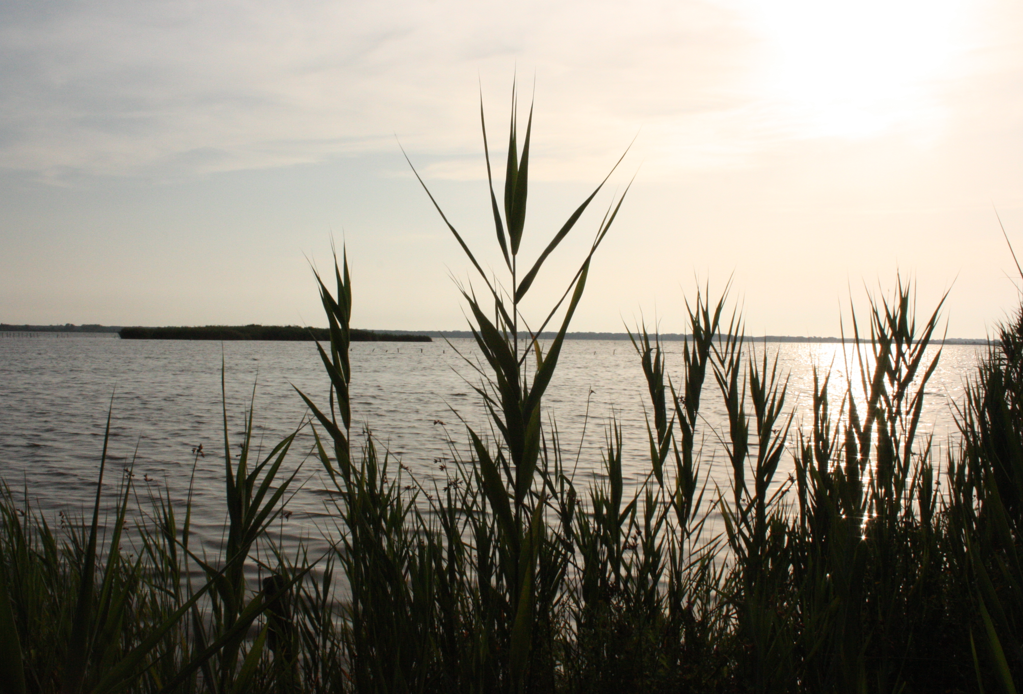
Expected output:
(864, 570)
(81, 613)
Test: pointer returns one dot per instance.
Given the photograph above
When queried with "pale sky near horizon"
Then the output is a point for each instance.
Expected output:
(182, 163)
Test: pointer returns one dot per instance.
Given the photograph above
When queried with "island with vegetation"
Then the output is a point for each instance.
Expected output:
(279, 333)
(65, 328)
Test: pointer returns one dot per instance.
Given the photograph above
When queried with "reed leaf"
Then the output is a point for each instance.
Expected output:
(498, 224)
(12, 664)
(83, 623)
(527, 280)
(516, 182)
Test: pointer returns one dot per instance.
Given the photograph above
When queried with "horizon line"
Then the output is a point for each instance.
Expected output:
(546, 335)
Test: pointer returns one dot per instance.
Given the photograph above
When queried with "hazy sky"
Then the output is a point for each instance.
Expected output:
(182, 163)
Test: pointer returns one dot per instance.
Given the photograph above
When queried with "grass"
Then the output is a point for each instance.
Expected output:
(872, 569)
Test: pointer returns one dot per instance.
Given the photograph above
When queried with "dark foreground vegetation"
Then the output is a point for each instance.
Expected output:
(280, 333)
(865, 570)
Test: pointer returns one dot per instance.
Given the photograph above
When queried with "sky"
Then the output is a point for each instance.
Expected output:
(171, 162)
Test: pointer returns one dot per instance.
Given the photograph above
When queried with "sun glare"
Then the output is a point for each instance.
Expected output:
(857, 69)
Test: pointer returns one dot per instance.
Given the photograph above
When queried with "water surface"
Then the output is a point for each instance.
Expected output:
(166, 400)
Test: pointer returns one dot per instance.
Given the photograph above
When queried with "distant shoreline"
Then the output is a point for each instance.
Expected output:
(678, 337)
(297, 333)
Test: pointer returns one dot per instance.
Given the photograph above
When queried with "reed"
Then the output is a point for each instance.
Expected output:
(78, 614)
(867, 568)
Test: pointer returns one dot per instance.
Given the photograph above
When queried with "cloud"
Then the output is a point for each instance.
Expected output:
(164, 90)
(121, 88)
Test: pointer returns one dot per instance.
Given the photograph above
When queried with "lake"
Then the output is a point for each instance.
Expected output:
(55, 392)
